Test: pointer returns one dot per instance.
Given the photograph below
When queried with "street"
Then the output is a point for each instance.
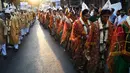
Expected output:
(38, 53)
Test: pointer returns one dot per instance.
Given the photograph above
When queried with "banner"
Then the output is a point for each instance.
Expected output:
(84, 6)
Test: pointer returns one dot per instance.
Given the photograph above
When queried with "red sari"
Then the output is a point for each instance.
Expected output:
(40, 18)
(57, 24)
(51, 22)
(43, 18)
(93, 45)
(76, 35)
(66, 30)
(60, 26)
(47, 19)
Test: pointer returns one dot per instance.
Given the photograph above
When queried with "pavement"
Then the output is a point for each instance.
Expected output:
(38, 53)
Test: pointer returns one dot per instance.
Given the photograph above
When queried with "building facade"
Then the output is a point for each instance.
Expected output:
(97, 3)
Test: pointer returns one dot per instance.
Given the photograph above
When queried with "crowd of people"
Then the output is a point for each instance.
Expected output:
(14, 26)
(97, 40)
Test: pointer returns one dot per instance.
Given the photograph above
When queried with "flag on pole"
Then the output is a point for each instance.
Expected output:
(116, 6)
(107, 5)
(84, 6)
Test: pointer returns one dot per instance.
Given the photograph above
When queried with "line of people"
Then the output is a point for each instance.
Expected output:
(14, 26)
(98, 43)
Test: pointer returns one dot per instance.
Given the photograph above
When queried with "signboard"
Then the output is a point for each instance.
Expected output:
(23, 5)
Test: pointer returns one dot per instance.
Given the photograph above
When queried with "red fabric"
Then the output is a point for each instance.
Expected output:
(51, 21)
(66, 29)
(93, 44)
(43, 19)
(76, 34)
(117, 38)
(40, 17)
(57, 24)
(60, 26)
(77, 30)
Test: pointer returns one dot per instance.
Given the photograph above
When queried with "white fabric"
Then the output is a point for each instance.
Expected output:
(54, 20)
(116, 6)
(88, 22)
(5, 4)
(12, 6)
(68, 9)
(20, 40)
(25, 31)
(92, 12)
(57, 16)
(73, 10)
(23, 5)
(16, 46)
(22, 32)
(70, 19)
(4, 53)
(88, 57)
(101, 32)
(7, 10)
(54, 8)
(82, 22)
(121, 19)
(60, 8)
(67, 20)
(116, 21)
(107, 5)
(102, 48)
(63, 18)
(84, 6)
(12, 10)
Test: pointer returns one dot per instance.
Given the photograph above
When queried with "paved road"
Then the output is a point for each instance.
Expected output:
(38, 53)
